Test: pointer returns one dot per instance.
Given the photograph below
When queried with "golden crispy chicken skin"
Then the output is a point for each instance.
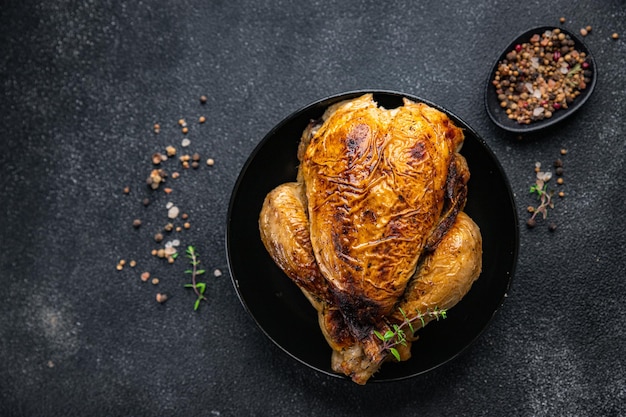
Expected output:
(374, 182)
(443, 277)
(377, 201)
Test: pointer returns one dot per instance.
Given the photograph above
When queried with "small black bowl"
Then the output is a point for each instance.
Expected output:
(278, 306)
(498, 114)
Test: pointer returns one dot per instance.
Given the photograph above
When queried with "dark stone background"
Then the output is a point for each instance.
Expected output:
(82, 84)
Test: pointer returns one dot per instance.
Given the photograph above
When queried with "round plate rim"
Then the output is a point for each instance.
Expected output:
(333, 99)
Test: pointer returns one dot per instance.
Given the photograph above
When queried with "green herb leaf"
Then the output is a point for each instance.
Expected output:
(574, 70)
(401, 336)
(378, 335)
(395, 353)
(406, 320)
(199, 288)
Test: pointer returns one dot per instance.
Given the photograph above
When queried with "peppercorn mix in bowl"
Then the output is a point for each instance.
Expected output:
(541, 78)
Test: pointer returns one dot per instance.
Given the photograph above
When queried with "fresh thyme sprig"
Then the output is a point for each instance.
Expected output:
(396, 335)
(540, 187)
(198, 287)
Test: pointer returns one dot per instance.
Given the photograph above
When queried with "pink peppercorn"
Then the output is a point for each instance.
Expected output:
(518, 47)
(556, 55)
(585, 65)
(556, 106)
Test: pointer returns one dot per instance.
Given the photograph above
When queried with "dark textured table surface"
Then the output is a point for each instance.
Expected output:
(84, 82)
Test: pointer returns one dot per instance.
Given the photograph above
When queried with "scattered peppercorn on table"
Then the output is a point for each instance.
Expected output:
(125, 126)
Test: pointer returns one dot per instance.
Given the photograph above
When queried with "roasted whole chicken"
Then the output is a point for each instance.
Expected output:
(373, 229)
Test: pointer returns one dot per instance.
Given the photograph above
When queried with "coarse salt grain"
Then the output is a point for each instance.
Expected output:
(173, 212)
(534, 62)
(185, 142)
(541, 176)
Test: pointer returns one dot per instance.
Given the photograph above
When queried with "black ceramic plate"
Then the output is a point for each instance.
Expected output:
(284, 314)
(498, 114)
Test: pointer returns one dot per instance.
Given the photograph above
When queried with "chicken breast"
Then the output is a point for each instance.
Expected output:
(373, 225)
